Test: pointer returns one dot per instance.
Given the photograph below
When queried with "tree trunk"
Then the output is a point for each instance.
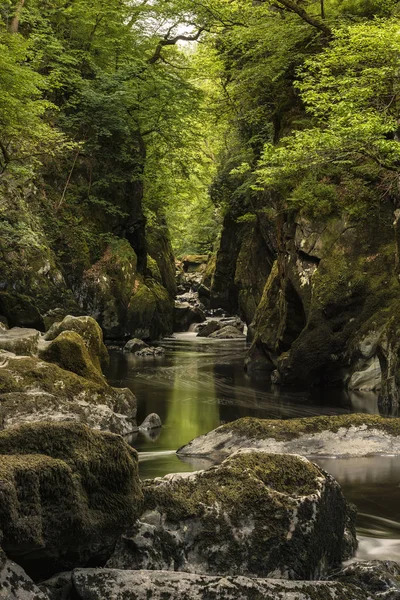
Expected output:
(14, 24)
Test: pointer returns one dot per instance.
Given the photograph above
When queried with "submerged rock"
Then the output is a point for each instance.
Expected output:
(150, 351)
(67, 494)
(34, 390)
(113, 584)
(256, 514)
(342, 435)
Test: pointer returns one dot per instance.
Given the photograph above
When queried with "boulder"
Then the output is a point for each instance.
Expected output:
(227, 333)
(152, 421)
(341, 435)
(208, 328)
(367, 377)
(20, 340)
(16, 585)
(90, 332)
(107, 584)
(69, 351)
(34, 390)
(58, 587)
(186, 315)
(67, 494)
(380, 578)
(256, 514)
(134, 345)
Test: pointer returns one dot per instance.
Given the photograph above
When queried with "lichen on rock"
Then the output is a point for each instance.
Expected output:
(256, 514)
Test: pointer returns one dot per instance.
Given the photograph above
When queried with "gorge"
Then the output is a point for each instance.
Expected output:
(199, 300)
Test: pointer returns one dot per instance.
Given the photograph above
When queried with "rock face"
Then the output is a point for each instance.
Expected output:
(256, 514)
(34, 390)
(344, 435)
(93, 584)
(67, 494)
(312, 292)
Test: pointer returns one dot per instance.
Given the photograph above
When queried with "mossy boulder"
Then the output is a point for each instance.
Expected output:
(93, 584)
(34, 390)
(67, 494)
(256, 514)
(20, 340)
(341, 435)
(160, 251)
(68, 351)
(150, 310)
(90, 332)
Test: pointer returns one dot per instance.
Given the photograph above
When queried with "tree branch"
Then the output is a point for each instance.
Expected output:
(171, 42)
(14, 24)
(313, 21)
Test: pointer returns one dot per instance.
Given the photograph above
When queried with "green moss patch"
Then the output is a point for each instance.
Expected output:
(258, 429)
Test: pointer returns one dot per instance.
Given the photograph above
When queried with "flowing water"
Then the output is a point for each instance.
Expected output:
(200, 383)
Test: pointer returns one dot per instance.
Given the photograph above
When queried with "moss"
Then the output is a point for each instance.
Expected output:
(153, 269)
(68, 490)
(91, 333)
(238, 481)
(150, 310)
(257, 429)
(69, 352)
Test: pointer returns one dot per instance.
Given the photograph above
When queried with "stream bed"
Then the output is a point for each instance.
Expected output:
(200, 383)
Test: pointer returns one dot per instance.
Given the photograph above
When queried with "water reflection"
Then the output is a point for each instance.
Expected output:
(200, 384)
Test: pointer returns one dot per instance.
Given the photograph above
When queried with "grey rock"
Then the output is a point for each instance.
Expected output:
(380, 578)
(206, 329)
(186, 315)
(228, 333)
(113, 584)
(152, 421)
(368, 378)
(20, 340)
(256, 514)
(58, 587)
(16, 585)
(150, 351)
(134, 345)
(340, 436)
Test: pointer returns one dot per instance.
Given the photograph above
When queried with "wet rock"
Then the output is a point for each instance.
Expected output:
(134, 345)
(380, 578)
(151, 351)
(34, 390)
(186, 315)
(152, 421)
(256, 514)
(90, 332)
(67, 494)
(343, 435)
(19, 340)
(107, 584)
(193, 262)
(227, 333)
(208, 328)
(16, 585)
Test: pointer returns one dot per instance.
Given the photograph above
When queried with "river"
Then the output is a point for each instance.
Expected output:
(200, 383)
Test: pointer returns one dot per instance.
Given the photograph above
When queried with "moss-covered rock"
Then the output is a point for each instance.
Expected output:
(90, 332)
(67, 494)
(20, 340)
(34, 390)
(69, 351)
(92, 584)
(255, 514)
(160, 251)
(341, 435)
